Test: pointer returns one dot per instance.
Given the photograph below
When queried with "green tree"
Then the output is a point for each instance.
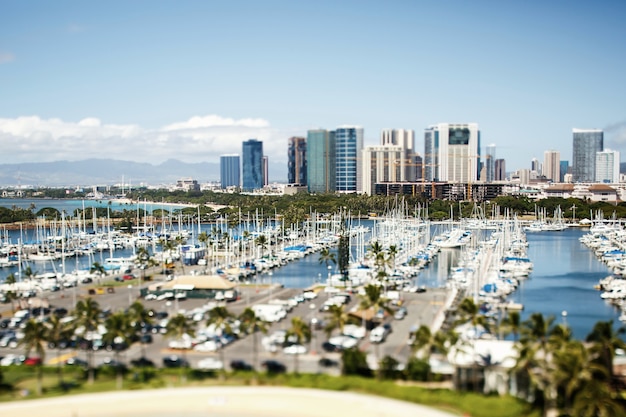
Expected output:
(374, 301)
(221, 319)
(251, 323)
(140, 319)
(11, 295)
(88, 319)
(354, 362)
(177, 327)
(57, 332)
(144, 260)
(118, 334)
(299, 333)
(35, 340)
(605, 340)
(337, 318)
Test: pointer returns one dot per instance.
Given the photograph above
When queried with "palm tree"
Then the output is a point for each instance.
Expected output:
(11, 295)
(574, 369)
(179, 240)
(512, 324)
(88, 318)
(221, 319)
(97, 269)
(251, 323)
(29, 273)
(261, 242)
(35, 339)
(118, 331)
(597, 399)
(139, 318)
(300, 333)
(57, 331)
(176, 328)
(373, 300)
(204, 238)
(605, 341)
(393, 252)
(144, 260)
(327, 257)
(337, 319)
(168, 247)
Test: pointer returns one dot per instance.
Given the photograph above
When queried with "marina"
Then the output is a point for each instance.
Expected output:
(524, 273)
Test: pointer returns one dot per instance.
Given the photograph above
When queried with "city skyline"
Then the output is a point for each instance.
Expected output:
(151, 81)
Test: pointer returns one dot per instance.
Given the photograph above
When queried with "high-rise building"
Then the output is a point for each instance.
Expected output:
(500, 170)
(490, 160)
(229, 171)
(587, 142)
(348, 147)
(252, 164)
(382, 164)
(453, 152)
(266, 170)
(607, 166)
(406, 140)
(552, 165)
(563, 170)
(320, 161)
(296, 160)
(535, 166)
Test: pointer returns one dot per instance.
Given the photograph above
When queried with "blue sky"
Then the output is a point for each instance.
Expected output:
(190, 80)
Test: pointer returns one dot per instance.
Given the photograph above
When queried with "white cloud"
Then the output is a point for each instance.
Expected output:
(198, 139)
(6, 57)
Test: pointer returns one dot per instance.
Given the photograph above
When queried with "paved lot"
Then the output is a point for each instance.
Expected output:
(421, 308)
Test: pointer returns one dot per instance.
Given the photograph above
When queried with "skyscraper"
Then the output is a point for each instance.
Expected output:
(405, 139)
(607, 166)
(320, 161)
(266, 170)
(563, 170)
(381, 164)
(552, 165)
(535, 165)
(500, 170)
(453, 152)
(348, 147)
(296, 161)
(252, 165)
(229, 171)
(490, 161)
(587, 142)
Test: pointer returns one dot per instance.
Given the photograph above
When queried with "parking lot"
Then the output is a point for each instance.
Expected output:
(420, 309)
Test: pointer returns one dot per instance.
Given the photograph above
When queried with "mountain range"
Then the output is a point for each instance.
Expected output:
(91, 172)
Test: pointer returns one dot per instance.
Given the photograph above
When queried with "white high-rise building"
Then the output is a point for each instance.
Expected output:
(404, 138)
(382, 164)
(552, 165)
(452, 152)
(607, 166)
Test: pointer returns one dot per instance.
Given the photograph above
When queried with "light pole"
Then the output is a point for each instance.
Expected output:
(130, 295)
(328, 282)
(564, 317)
(270, 277)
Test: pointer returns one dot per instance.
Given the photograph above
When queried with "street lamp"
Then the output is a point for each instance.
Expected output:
(270, 275)
(328, 282)
(564, 317)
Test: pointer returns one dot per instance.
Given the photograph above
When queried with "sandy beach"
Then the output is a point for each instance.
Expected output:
(220, 401)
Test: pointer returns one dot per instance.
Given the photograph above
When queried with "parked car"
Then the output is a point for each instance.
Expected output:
(210, 364)
(240, 365)
(328, 363)
(76, 362)
(32, 361)
(294, 350)
(142, 362)
(400, 313)
(128, 277)
(274, 367)
(146, 338)
(175, 361)
(380, 333)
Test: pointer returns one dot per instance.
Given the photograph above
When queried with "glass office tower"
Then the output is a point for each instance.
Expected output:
(229, 171)
(320, 161)
(252, 165)
(348, 147)
(587, 142)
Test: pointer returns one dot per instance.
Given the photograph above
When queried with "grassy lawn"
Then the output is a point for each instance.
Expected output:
(23, 384)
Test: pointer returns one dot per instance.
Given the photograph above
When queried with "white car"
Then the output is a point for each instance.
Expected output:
(294, 350)
(165, 296)
(355, 331)
(380, 333)
(210, 364)
(343, 342)
(208, 346)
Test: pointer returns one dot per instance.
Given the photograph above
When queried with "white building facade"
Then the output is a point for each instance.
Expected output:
(607, 166)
